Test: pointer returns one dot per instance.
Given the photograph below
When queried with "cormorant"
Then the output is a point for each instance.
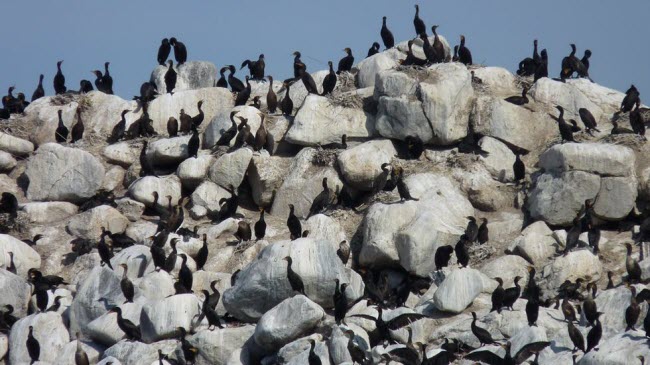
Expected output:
(243, 95)
(415, 147)
(418, 23)
(357, 354)
(329, 81)
(345, 64)
(454, 58)
(631, 98)
(569, 289)
(427, 48)
(104, 251)
(260, 140)
(260, 226)
(148, 92)
(186, 122)
(308, 81)
(163, 51)
(170, 262)
(519, 100)
(542, 68)
(386, 36)
(243, 233)
(198, 119)
(61, 132)
(442, 256)
(297, 64)
(524, 353)
(483, 232)
(236, 85)
(85, 87)
(146, 168)
(170, 77)
(230, 133)
(59, 80)
(498, 295)
(193, 143)
(229, 209)
(532, 311)
(343, 252)
(585, 59)
(646, 320)
(244, 136)
(340, 302)
(511, 295)
(126, 285)
(286, 105)
(567, 65)
(107, 79)
(131, 331)
(256, 68)
(78, 129)
(119, 129)
(185, 274)
(80, 356)
(464, 54)
(528, 65)
(39, 92)
(222, 82)
(576, 337)
(438, 47)
(313, 359)
(158, 256)
(294, 279)
(33, 347)
(636, 121)
(180, 52)
(257, 104)
(568, 311)
(402, 188)
(565, 129)
(482, 334)
(411, 59)
(202, 254)
(589, 306)
(633, 311)
(322, 200)
(48, 280)
(632, 266)
(373, 50)
(594, 335)
(471, 231)
(588, 120)
(271, 97)
(295, 228)
(462, 253)
(620, 130)
(572, 236)
(42, 298)
(9, 205)
(172, 127)
(57, 304)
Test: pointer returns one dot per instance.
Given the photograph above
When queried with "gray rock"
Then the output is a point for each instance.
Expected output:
(194, 170)
(607, 99)
(156, 285)
(160, 319)
(266, 174)
(66, 354)
(221, 123)
(105, 330)
(552, 92)
(138, 353)
(168, 151)
(361, 164)
(321, 122)
(498, 80)
(612, 303)
(141, 190)
(557, 198)
(458, 290)
(49, 212)
(402, 116)
(539, 246)
(287, 321)
(7, 162)
(230, 168)
(596, 158)
(338, 346)
(507, 267)
(500, 159)
(25, 257)
(14, 145)
(49, 330)
(297, 352)
(622, 348)
(577, 264)
(113, 179)
(370, 67)
(216, 347)
(191, 75)
(17, 292)
(119, 154)
(58, 173)
(207, 195)
(130, 208)
(99, 283)
(88, 225)
(616, 198)
(323, 227)
(299, 92)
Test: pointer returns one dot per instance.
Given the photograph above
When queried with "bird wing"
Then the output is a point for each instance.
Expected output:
(405, 355)
(530, 350)
(643, 295)
(404, 320)
(485, 356)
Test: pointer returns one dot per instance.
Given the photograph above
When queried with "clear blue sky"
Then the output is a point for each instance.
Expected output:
(86, 33)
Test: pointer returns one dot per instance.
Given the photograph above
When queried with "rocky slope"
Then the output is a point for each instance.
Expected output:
(393, 242)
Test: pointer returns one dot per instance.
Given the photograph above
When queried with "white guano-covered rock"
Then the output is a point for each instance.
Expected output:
(319, 121)
(17, 292)
(191, 75)
(361, 164)
(287, 321)
(25, 257)
(371, 66)
(596, 158)
(216, 347)
(89, 224)
(49, 330)
(120, 154)
(566, 95)
(7, 162)
(160, 319)
(498, 80)
(266, 174)
(577, 264)
(230, 168)
(194, 170)
(168, 151)
(49, 212)
(208, 195)
(138, 353)
(14, 145)
(402, 116)
(221, 122)
(58, 173)
(458, 290)
(141, 190)
(616, 198)
(500, 159)
(100, 282)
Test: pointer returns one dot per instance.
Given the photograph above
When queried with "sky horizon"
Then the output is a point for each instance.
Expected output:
(128, 35)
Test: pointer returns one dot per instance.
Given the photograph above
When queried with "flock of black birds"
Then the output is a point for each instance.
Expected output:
(377, 289)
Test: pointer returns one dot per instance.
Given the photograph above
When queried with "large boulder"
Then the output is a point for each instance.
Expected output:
(361, 164)
(499, 160)
(142, 190)
(49, 330)
(402, 116)
(17, 292)
(498, 80)
(105, 330)
(14, 145)
(459, 289)
(119, 154)
(616, 197)
(552, 92)
(620, 349)
(287, 321)
(67, 353)
(25, 257)
(88, 225)
(230, 168)
(319, 122)
(577, 264)
(536, 242)
(194, 170)
(58, 173)
(191, 75)
(371, 66)
(596, 158)
(168, 151)
(160, 319)
(138, 353)
(221, 122)
(88, 304)
(208, 195)
(263, 284)
(7, 162)
(607, 99)
(216, 347)
(265, 175)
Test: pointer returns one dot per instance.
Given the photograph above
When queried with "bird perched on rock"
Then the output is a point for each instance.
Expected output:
(294, 279)
(295, 228)
(163, 51)
(180, 51)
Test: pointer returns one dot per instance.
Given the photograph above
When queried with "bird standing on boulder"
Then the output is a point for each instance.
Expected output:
(33, 347)
(271, 97)
(402, 188)
(39, 92)
(59, 80)
(170, 78)
(387, 35)
(464, 54)
(420, 28)
(294, 279)
(295, 228)
(78, 129)
(329, 81)
(193, 144)
(498, 296)
(260, 226)
(180, 52)
(61, 132)
(126, 285)
(345, 64)
(163, 51)
(236, 85)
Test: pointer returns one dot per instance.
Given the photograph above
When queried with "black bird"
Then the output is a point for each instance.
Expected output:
(329, 81)
(261, 139)
(107, 79)
(572, 236)
(50, 281)
(576, 337)
(80, 356)
(170, 77)
(589, 306)
(39, 92)
(595, 334)
(271, 97)
(213, 299)
(297, 64)
(402, 188)
(631, 98)
(42, 297)
(632, 266)
(308, 81)
(588, 120)
(222, 82)
(77, 132)
(632, 312)
(322, 200)
(498, 296)
(294, 279)
(532, 311)
(185, 122)
(524, 353)
(61, 132)
(386, 35)
(567, 64)
(442, 257)
(172, 127)
(185, 274)
(198, 119)
(569, 289)
(357, 353)
(243, 231)
(146, 169)
(126, 285)
(202, 254)
(454, 58)
(104, 251)
(260, 226)
(414, 146)
(483, 232)
(163, 51)
(229, 209)
(585, 59)
(345, 64)
(636, 121)
(295, 228)
(131, 331)
(158, 256)
(418, 23)
(373, 50)
(429, 51)
(180, 52)
(313, 359)
(462, 253)
(193, 144)
(542, 68)
(620, 130)
(528, 65)
(438, 47)
(170, 262)
(519, 100)
(236, 85)
(243, 95)
(482, 334)
(411, 59)
(464, 54)
(59, 80)
(646, 322)
(511, 295)
(343, 252)
(565, 129)
(148, 92)
(286, 105)
(9, 205)
(340, 302)
(471, 231)
(256, 68)
(33, 347)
